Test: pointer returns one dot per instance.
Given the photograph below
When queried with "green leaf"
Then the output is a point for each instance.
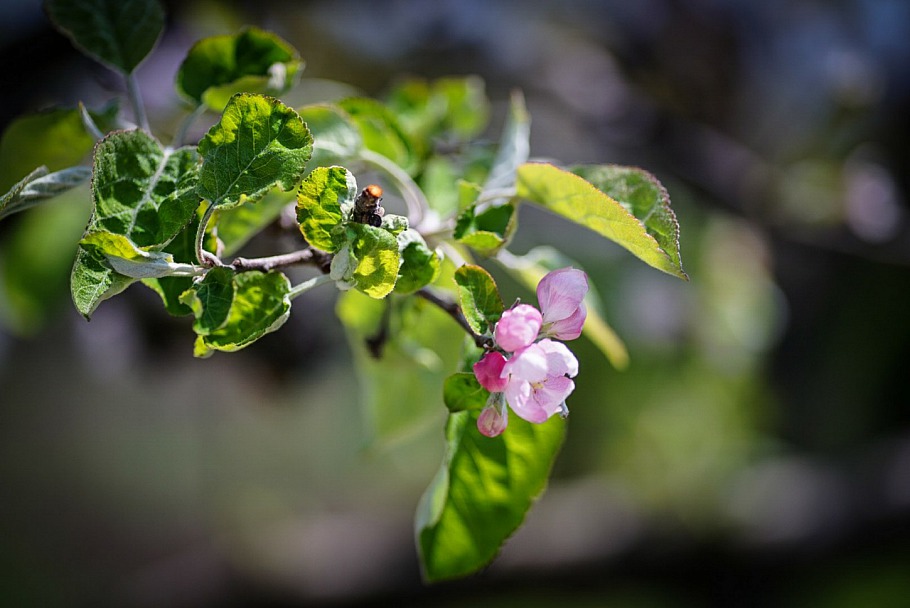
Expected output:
(210, 300)
(258, 143)
(380, 131)
(319, 201)
(479, 298)
(119, 34)
(574, 198)
(250, 61)
(260, 306)
(127, 259)
(419, 264)
(40, 186)
(140, 191)
(644, 197)
(487, 231)
(482, 492)
(54, 139)
(376, 251)
(336, 139)
(462, 391)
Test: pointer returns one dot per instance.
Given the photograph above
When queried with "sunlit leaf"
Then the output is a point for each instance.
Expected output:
(258, 143)
(479, 298)
(141, 191)
(482, 492)
(377, 259)
(576, 199)
(119, 34)
(643, 196)
(319, 200)
(127, 259)
(250, 61)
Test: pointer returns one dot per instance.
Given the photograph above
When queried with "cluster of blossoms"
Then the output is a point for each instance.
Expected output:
(527, 368)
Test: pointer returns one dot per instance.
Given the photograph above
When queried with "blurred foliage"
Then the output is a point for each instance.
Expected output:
(754, 451)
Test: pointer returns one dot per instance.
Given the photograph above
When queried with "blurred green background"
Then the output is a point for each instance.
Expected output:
(756, 452)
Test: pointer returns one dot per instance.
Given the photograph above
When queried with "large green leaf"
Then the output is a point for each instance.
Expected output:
(210, 300)
(40, 186)
(118, 33)
(260, 305)
(482, 492)
(576, 199)
(643, 196)
(140, 191)
(258, 143)
(250, 61)
(380, 131)
(125, 258)
(479, 298)
(319, 201)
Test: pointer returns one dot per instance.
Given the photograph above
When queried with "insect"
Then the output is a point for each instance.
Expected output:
(367, 209)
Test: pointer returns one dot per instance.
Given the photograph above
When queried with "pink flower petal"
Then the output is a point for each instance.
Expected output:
(560, 293)
(488, 371)
(493, 418)
(559, 359)
(518, 327)
(570, 327)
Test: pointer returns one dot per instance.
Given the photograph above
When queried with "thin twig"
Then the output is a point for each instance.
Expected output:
(454, 311)
(303, 256)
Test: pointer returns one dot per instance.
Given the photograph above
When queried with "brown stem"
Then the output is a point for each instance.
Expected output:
(454, 311)
(303, 256)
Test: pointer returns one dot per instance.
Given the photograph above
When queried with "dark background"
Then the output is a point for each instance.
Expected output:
(755, 453)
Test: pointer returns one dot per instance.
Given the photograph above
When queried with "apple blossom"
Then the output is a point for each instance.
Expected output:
(539, 380)
(494, 417)
(561, 296)
(518, 327)
(488, 371)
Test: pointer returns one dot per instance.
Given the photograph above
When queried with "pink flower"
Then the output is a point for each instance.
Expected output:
(494, 417)
(537, 380)
(488, 371)
(561, 295)
(518, 327)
